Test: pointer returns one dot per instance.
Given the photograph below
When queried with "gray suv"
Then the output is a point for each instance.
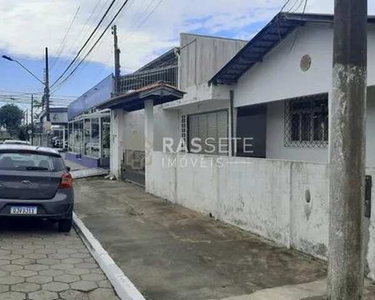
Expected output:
(34, 182)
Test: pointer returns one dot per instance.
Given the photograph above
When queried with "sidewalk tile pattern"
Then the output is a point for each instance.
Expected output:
(49, 266)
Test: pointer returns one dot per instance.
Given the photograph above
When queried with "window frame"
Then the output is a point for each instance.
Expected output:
(306, 139)
(188, 134)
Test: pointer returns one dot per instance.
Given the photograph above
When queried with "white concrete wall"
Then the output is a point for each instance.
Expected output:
(117, 141)
(284, 201)
(275, 139)
(309, 221)
(134, 130)
(206, 106)
(128, 132)
(280, 77)
(253, 194)
(166, 125)
(275, 136)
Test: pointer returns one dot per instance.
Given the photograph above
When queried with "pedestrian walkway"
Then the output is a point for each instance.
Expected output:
(38, 263)
(172, 253)
(80, 171)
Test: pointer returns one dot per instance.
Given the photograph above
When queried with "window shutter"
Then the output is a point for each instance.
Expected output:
(213, 125)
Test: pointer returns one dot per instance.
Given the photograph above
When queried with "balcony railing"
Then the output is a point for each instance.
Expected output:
(139, 80)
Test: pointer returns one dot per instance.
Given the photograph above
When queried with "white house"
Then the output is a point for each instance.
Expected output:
(274, 91)
(184, 68)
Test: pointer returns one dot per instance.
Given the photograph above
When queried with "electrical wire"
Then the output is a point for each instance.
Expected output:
(285, 5)
(144, 20)
(304, 8)
(85, 44)
(298, 29)
(93, 46)
(62, 44)
(294, 5)
(299, 6)
(83, 32)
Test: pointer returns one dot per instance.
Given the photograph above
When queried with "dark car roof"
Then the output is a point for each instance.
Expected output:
(13, 147)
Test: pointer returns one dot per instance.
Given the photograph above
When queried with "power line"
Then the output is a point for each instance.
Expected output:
(62, 44)
(83, 32)
(304, 8)
(144, 20)
(298, 29)
(24, 94)
(87, 41)
(298, 7)
(93, 47)
(285, 5)
(294, 5)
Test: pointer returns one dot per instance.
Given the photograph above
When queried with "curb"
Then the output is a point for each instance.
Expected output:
(123, 286)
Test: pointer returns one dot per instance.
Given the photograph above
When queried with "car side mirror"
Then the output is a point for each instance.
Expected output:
(68, 168)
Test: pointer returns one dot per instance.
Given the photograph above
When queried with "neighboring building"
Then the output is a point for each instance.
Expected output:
(90, 141)
(127, 123)
(188, 69)
(57, 135)
(89, 128)
(275, 90)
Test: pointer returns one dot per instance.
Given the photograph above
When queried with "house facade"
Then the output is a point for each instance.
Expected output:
(264, 107)
(192, 65)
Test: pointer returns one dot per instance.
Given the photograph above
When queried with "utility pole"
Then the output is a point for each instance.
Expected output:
(32, 119)
(347, 151)
(117, 60)
(46, 89)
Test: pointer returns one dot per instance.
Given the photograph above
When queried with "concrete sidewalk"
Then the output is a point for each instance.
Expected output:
(170, 252)
(79, 171)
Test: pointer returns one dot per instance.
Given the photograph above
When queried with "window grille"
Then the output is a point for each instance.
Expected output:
(184, 128)
(306, 122)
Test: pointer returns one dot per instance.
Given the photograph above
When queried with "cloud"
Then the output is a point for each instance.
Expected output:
(146, 28)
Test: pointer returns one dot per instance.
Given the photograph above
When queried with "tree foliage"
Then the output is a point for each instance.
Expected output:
(11, 118)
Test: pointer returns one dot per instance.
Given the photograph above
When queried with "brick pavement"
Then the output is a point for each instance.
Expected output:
(38, 263)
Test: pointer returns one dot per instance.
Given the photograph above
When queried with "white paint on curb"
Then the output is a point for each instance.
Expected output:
(123, 286)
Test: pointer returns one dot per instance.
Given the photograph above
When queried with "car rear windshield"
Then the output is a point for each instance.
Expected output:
(30, 161)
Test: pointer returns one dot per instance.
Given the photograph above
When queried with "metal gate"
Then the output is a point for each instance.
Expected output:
(133, 166)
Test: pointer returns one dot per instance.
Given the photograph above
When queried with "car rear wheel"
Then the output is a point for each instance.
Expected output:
(65, 225)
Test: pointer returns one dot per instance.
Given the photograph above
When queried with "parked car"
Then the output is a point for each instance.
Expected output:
(35, 182)
(15, 142)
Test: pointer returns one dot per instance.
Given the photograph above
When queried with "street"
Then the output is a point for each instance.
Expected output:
(38, 263)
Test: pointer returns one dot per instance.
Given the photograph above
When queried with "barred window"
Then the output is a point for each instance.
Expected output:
(306, 122)
(184, 128)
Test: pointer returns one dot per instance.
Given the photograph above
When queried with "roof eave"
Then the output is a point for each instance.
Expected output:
(274, 32)
(135, 101)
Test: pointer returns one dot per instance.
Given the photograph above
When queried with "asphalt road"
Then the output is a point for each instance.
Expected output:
(39, 263)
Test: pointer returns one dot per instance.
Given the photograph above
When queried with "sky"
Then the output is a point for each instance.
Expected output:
(146, 29)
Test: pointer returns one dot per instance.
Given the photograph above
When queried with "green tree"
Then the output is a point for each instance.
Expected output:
(11, 118)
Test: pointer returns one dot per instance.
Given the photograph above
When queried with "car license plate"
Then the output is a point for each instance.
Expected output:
(23, 210)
